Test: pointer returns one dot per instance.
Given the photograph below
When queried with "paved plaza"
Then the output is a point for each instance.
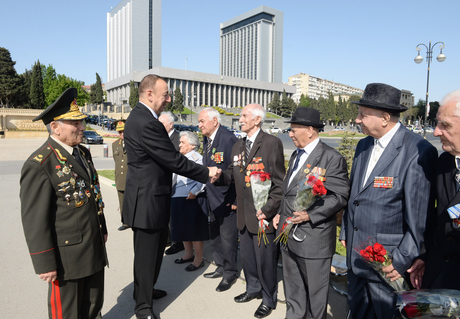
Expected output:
(190, 295)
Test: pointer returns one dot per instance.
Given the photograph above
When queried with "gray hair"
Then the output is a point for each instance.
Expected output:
(169, 115)
(452, 97)
(259, 111)
(212, 113)
(48, 128)
(192, 139)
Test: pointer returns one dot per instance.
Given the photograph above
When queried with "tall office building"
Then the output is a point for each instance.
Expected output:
(133, 37)
(251, 45)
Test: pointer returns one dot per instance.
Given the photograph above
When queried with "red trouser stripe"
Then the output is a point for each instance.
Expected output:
(56, 305)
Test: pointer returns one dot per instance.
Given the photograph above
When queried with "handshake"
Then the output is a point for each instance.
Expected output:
(214, 173)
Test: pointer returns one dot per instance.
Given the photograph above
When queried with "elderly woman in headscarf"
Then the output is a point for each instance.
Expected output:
(189, 219)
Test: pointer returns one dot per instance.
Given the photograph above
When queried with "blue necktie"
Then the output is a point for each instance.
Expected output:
(300, 151)
(457, 174)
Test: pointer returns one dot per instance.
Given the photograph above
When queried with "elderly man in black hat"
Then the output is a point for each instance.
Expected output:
(390, 199)
(62, 214)
(307, 253)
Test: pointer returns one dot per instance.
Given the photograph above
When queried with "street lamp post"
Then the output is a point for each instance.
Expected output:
(429, 55)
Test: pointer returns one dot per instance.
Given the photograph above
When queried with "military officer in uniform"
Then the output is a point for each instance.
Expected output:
(121, 165)
(62, 214)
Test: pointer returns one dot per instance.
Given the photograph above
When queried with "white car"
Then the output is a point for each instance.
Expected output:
(275, 130)
(239, 133)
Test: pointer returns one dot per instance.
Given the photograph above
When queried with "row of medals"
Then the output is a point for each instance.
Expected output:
(72, 184)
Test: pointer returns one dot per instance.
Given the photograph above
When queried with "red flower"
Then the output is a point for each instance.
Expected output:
(311, 179)
(379, 249)
(412, 310)
(319, 189)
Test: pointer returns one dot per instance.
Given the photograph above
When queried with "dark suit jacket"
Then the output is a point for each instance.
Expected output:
(152, 159)
(270, 150)
(320, 231)
(121, 165)
(59, 234)
(394, 217)
(444, 254)
(175, 139)
(220, 196)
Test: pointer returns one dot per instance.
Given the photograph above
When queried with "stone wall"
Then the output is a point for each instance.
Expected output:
(17, 123)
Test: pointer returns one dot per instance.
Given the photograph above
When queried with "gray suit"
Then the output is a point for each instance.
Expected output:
(307, 263)
(395, 217)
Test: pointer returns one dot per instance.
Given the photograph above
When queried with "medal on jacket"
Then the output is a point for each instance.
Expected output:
(67, 198)
(78, 202)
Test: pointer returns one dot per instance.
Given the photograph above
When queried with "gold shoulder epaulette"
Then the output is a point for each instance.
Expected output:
(42, 155)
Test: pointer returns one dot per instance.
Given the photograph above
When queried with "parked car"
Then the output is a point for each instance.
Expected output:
(287, 130)
(339, 128)
(91, 137)
(181, 127)
(194, 128)
(417, 130)
(238, 133)
(429, 129)
(275, 130)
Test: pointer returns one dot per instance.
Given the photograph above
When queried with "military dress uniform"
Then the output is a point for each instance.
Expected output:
(121, 167)
(64, 224)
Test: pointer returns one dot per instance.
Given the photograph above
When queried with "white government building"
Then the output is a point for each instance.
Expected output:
(134, 51)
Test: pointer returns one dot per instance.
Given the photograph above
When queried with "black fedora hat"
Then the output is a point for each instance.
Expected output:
(306, 116)
(382, 97)
(64, 108)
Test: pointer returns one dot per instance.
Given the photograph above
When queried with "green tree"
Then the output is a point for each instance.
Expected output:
(170, 106)
(37, 95)
(92, 94)
(347, 147)
(178, 101)
(133, 94)
(434, 106)
(331, 109)
(353, 108)
(99, 96)
(321, 106)
(304, 101)
(9, 79)
(23, 98)
(275, 104)
(342, 111)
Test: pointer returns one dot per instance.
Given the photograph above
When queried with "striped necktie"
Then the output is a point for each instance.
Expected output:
(208, 147)
(457, 173)
(248, 148)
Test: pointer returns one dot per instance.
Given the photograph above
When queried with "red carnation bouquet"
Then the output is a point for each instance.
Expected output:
(260, 186)
(309, 191)
(428, 303)
(377, 257)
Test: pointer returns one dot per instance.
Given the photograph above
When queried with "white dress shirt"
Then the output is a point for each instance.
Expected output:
(303, 158)
(379, 147)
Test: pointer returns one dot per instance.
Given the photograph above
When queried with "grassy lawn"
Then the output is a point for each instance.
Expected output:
(339, 249)
(108, 173)
(273, 116)
(185, 111)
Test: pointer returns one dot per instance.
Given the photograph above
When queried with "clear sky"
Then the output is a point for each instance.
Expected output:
(353, 42)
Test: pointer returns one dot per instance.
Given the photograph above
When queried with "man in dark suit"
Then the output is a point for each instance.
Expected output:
(62, 214)
(152, 159)
(443, 256)
(121, 166)
(167, 119)
(217, 146)
(391, 178)
(307, 256)
(259, 151)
